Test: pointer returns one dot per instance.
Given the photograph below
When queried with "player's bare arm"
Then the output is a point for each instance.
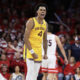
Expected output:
(61, 48)
(29, 27)
(45, 43)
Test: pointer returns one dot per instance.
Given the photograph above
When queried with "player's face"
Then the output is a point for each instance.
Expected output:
(41, 12)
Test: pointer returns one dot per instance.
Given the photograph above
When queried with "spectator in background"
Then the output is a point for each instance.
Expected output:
(17, 47)
(68, 38)
(14, 46)
(75, 49)
(4, 60)
(17, 75)
(3, 42)
(15, 43)
(77, 75)
(20, 43)
(21, 46)
(13, 34)
(13, 16)
(18, 61)
(10, 52)
(17, 24)
(8, 38)
(20, 34)
(23, 18)
(66, 47)
(77, 64)
(73, 39)
(69, 69)
(60, 68)
(62, 30)
(4, 71)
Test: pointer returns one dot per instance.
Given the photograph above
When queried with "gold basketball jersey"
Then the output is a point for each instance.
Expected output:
(36, 37)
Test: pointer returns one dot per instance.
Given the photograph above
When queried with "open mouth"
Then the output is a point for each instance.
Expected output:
(43, 15)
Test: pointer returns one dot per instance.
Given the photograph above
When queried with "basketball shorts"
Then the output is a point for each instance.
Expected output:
(49, 65)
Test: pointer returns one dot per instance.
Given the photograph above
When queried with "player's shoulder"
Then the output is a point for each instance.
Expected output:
(50, 34)
(46, 22)
(30, 21)
(57, 38)
(55, 35)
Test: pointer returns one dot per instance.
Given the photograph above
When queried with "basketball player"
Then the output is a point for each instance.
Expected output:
(49, 66)
(35, 33)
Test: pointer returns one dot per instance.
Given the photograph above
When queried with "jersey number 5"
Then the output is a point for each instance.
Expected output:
(40, 33)
(49, 42)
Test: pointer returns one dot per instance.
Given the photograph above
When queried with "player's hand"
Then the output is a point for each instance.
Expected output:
(58, 57)
(66, 61)
(45, 57)
(35, 56)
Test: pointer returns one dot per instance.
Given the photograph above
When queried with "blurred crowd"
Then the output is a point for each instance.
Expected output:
(13, 16)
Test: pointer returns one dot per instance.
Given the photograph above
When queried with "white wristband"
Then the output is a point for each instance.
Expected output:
(32, 51)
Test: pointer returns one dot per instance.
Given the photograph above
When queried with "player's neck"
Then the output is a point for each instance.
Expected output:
(40, 20)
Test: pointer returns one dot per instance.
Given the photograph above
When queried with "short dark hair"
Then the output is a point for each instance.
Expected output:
(50, 28)
(41, 5)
